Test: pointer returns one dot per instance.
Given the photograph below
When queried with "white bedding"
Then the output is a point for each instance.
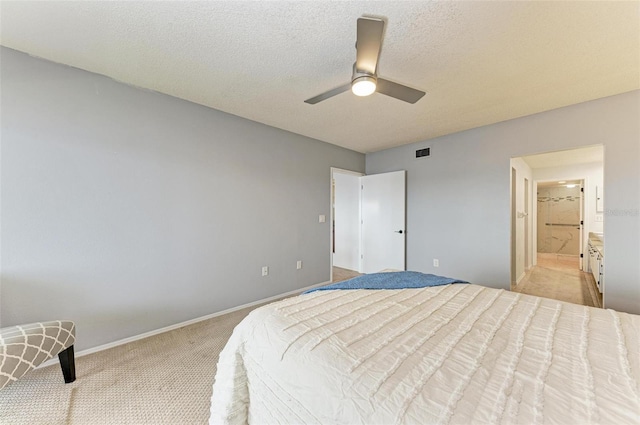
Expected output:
(449, 354)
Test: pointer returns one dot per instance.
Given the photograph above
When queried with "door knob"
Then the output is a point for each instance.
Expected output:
(398, 231)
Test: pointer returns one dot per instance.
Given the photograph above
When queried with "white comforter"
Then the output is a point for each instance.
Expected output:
(449, 354)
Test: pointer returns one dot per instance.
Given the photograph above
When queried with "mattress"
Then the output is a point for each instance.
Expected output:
(454, 354)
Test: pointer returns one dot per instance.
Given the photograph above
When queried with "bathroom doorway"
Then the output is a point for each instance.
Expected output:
(554, 206)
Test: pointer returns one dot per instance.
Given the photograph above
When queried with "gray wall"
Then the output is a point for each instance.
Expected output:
(127, 210)
(458, 199)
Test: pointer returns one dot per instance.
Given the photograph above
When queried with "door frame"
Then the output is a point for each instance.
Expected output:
(527, 225)
(336, 170)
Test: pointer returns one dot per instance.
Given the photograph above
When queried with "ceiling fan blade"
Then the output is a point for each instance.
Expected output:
(368, 45)
(398, 91)
(327, 95)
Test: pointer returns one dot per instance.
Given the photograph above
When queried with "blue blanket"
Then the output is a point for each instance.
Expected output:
(391, 280)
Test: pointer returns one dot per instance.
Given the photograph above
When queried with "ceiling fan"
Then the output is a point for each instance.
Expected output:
(365, 80)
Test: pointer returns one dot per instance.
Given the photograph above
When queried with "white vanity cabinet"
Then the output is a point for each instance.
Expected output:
(595, 249)
(601, 281)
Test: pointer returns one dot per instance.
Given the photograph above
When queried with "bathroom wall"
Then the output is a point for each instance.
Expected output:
(592, 173)
(558, 218)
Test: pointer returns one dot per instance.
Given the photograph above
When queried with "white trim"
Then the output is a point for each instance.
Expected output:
(335, 170)
(534, 224)
(113, 344)
(343, 171)
(519, 279)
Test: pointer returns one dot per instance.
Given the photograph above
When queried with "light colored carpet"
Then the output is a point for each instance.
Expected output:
(559, 277)
(163, 379)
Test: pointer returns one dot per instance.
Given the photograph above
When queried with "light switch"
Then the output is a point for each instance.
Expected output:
(322, 218)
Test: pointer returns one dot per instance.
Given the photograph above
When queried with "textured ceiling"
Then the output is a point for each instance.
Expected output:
(479, 62)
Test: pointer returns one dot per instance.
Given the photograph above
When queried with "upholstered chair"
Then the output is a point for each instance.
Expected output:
(25, 347)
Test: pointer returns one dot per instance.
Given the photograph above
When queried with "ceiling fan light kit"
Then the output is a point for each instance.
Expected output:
(363, 86)
(364, 80)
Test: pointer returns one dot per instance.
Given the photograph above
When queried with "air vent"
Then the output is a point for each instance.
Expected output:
(423, 152)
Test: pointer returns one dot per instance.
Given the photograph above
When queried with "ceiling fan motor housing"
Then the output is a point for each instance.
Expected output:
(357, 73)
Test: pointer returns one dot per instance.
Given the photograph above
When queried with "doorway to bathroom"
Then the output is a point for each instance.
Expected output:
(554, 209)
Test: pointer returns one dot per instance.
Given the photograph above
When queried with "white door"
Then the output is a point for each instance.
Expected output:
(383, 221)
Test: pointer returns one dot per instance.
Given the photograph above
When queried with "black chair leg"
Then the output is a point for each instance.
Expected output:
(68, 364)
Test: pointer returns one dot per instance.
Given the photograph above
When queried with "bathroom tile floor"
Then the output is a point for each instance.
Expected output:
(559, 277)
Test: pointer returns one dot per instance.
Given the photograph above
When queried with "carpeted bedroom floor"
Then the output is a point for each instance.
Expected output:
(163, 379)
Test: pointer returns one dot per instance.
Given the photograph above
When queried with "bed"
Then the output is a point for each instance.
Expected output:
(445, 354)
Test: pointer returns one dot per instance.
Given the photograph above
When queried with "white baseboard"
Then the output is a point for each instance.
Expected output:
(181, 324)
(519, 279)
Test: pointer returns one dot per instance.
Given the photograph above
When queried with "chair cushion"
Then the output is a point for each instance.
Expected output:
(25, 347)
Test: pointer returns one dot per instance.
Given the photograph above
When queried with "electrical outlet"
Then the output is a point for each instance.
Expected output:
(599, 217)
(322, 218)
(265, 271)
(436, 262)
(299, 264)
